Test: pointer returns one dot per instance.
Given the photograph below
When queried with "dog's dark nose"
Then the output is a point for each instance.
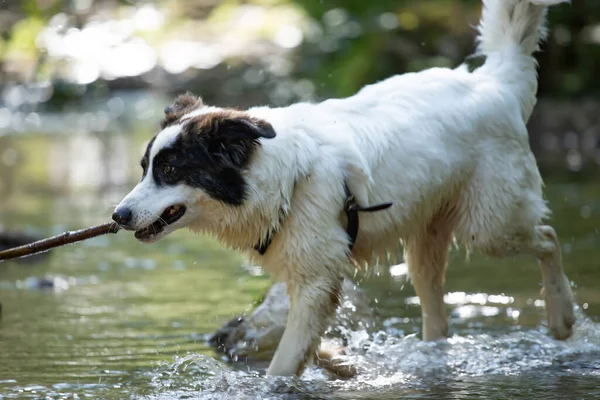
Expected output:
(122, 216)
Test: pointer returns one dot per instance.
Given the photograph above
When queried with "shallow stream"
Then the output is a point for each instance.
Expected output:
(118, 319)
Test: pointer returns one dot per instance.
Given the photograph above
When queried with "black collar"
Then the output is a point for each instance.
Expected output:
(262, 247)
(351, 208)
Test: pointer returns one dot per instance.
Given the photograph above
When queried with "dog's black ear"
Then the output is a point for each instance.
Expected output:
(245, 127)
(230, 135)
(237, 136)
(183, 104)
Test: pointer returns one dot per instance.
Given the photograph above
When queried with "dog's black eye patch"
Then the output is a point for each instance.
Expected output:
(169, 168)
(191, 164)
(146, 158)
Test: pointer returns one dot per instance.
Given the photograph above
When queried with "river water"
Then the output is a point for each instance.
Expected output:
(118, 319)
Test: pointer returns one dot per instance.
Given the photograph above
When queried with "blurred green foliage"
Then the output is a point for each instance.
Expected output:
(359, 42)
(440, 33)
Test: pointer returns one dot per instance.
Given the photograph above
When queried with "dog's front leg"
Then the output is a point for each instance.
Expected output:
(427, 257)
(312, 306)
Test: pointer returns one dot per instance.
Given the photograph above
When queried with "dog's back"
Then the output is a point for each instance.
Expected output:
(451, 147)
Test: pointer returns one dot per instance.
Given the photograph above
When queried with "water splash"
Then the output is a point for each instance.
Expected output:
(391, 366)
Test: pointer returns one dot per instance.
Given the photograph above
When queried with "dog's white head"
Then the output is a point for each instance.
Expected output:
(193, 166)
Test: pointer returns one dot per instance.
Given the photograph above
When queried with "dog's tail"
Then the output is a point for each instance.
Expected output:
(513, 25)
(510, 31)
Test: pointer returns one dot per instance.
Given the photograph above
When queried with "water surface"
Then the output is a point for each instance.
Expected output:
(127, 320)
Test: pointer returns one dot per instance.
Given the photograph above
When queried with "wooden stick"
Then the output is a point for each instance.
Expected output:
(58, 240)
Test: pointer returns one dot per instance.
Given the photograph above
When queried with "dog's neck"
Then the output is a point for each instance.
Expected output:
(351, 208)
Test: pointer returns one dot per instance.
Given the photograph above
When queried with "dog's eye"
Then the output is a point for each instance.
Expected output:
(168, 169)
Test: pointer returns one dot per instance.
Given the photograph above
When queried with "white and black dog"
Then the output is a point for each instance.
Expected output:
(447, 147)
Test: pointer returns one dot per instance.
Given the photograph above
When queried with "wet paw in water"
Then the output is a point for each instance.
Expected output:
(559, 309)
(332, 358)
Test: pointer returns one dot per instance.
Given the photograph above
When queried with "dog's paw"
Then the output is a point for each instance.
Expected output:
(330, 357)
(561, 324)
(559, 309)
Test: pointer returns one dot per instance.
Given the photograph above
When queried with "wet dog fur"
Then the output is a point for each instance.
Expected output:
(448, 147)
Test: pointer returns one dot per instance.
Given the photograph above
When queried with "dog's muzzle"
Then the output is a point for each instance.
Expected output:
(172, 214)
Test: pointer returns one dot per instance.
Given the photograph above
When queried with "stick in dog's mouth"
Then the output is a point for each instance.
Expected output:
(171, 215)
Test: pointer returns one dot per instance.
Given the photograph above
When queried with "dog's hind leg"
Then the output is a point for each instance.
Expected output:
(544, 245)
(427, 258)
(557, 291)
(312, 306)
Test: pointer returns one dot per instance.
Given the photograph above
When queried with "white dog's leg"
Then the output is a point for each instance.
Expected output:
(556, 291)
(312, 305)
(427, 258)
(543, 243)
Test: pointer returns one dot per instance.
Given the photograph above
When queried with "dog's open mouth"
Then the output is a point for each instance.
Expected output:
(171, 215)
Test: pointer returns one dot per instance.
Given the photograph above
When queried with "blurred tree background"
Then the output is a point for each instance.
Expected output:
(59, 55)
